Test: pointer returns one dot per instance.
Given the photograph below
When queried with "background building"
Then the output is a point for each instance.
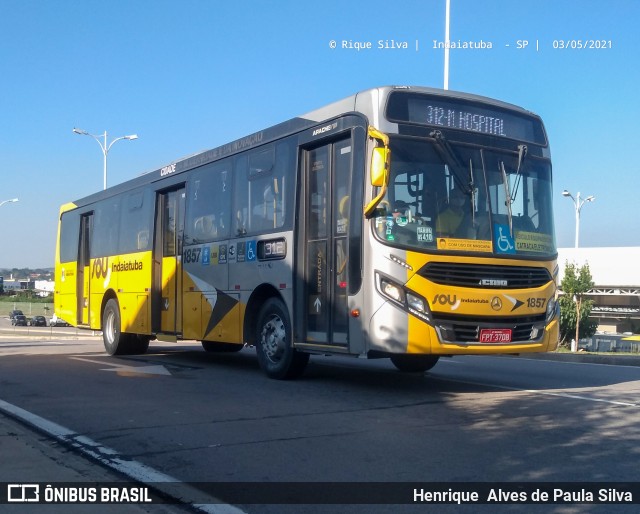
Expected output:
(616, 293)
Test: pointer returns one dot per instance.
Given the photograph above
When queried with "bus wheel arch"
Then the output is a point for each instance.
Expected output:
(252, 310)
(273, 339)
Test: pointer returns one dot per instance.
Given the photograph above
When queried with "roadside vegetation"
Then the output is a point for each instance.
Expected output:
(575, 308)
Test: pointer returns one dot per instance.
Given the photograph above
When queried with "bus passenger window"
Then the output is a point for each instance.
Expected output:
(136, 218)
(343, 218)
(209, 208)
(240, 196)
(263, 181)
(241, 222)
(266, 189)
(143, 240)
(106, 223)
(318, 191)
(205, 227)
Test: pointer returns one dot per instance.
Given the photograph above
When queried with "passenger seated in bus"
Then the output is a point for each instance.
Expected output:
(205, 228)
(241, 222)
(402, 209)
(270, 214)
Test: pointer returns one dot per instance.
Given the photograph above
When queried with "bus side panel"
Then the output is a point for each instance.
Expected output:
(133, 273)
(191, 315)
(221, 315)
(129, 277)
(66, 267)
(66, 305)
(210, 314)
(98, 275)
(168, 318)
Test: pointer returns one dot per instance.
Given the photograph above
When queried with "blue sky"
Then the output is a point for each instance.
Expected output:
(190, 75)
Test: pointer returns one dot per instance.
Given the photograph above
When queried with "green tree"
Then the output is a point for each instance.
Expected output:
(574, 307)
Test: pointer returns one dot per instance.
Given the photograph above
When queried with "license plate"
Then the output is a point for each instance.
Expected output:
(495, 335)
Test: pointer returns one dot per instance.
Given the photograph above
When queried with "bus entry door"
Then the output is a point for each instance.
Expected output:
(168, 261)
(328, 182)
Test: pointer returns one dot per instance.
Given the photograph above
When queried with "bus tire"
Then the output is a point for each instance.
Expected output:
(414, 363)
(276, 355)
(115, 341)
(212, 346)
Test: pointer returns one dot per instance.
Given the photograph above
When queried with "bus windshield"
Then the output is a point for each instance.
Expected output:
(466, 198)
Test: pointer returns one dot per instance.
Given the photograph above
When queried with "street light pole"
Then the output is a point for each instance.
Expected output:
(13, 200)
(578, 203)
(446, 43)
(104, 146)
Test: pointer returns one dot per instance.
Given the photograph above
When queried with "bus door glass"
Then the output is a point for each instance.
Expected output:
(328, 182)
(171, 206)
(84, 273)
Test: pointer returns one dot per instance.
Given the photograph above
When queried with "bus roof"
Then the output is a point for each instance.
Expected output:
(369, 102)
(358, 101)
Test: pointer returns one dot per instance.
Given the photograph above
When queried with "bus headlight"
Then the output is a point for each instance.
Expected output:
(407, 300)
(416, 303)
(393, 291)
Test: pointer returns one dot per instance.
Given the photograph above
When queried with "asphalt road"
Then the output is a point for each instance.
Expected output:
(198, 418)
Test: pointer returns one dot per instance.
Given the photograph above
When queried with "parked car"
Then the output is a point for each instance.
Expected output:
(58, 322)
(14, 313)
(19, 319)
(38, 321)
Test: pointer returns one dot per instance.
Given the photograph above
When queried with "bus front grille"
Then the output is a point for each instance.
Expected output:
(485, 275)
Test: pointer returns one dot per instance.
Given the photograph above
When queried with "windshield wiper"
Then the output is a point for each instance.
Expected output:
(450, 158)
(508, 201)
(510, 196)
(522, 154)
(472, 185)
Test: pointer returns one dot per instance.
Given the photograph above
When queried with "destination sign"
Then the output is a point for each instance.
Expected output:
(459, 114)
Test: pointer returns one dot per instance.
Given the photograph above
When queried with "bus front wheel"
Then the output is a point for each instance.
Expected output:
(276, 355)
(115, 341)
(414, 363)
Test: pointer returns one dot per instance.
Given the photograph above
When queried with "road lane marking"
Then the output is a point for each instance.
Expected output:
(126, 369)
(539, 391)
(580, 397)
(137, 471)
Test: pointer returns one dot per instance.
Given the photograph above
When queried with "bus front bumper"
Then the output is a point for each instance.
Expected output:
(394, 331)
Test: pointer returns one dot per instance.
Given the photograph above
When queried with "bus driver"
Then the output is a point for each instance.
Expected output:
(450, 220)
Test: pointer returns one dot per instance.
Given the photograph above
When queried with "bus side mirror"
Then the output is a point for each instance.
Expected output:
(379, 166)
(380, 160)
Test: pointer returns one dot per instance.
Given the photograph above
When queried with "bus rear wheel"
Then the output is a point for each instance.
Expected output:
(276, 355)
(115, 341)
(414, 363)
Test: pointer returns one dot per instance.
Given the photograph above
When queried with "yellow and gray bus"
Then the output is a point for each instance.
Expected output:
(401, 222)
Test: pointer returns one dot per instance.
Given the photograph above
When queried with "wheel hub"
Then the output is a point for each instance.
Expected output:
(274, 338)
